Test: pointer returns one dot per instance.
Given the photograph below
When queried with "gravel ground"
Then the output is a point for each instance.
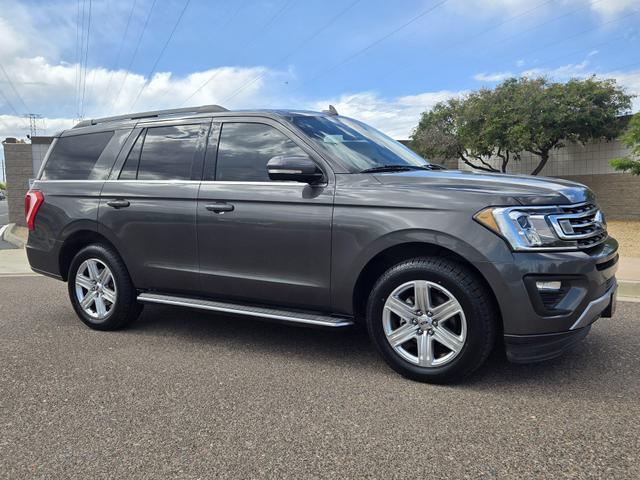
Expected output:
(183, 394)
(626, 232)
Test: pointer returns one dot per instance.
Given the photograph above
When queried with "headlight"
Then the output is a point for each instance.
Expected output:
(524, 229)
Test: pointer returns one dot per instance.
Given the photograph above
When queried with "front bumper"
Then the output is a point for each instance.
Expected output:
(536, 348)
(585, 276)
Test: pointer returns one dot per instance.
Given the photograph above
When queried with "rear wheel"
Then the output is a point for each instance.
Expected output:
(101, 290)
(431, 319)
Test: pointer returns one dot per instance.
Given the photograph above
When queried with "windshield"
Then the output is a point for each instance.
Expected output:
(360, 146)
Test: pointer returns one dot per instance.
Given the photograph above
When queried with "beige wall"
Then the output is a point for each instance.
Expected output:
(618, 194)
(573, 159)
(19, 168)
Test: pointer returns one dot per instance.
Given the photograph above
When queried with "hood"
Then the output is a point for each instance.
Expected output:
(524, 189)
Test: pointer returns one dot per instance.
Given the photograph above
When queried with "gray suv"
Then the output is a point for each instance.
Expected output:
(319, 220)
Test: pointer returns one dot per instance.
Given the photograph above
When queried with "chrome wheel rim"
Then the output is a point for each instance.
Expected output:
(424, 323)
(95, 289)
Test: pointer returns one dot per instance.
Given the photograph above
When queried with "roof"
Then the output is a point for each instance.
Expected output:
(194, 111)
(153, 114)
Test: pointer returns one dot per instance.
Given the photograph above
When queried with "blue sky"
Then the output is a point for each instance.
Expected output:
(380, 61)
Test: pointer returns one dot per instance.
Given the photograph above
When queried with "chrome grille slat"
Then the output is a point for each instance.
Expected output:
(579, 223)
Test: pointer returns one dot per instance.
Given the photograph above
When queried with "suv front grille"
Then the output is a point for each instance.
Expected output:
(583, 223)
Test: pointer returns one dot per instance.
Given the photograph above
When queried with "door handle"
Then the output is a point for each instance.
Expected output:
(118, 203)
(220, 207)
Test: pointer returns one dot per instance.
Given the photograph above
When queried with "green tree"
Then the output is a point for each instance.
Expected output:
(3, 186)
(631, 139)
(521, 115)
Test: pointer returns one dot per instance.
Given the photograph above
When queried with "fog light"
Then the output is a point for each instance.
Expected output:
(548, 286)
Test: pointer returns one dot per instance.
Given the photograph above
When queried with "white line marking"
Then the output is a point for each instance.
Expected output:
(2, 229)
(26, 274)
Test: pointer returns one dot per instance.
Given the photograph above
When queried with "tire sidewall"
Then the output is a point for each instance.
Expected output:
(101, 253)
(467, 358)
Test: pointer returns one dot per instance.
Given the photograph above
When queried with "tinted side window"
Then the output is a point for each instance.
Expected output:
(168, 153)
(245, 149)
(130, 169)
(75, 157)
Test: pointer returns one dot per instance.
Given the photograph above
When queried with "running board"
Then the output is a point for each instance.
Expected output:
(303, 318)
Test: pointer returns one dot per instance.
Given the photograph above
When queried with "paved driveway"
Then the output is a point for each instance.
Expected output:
(4, 212)
(189, 395)
(4, 219)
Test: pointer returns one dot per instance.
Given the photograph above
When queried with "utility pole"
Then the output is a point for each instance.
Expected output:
(33, 123)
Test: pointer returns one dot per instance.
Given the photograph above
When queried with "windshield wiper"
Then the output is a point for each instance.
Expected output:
(401, 168)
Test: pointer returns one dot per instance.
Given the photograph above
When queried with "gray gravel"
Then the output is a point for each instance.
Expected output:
(183, 394)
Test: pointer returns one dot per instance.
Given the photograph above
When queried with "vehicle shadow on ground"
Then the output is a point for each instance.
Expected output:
(583, 365)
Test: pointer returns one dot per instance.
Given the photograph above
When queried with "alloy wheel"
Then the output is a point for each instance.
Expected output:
(424, 323)
(95, 288)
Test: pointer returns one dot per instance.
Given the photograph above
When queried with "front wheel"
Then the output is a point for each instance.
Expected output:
(100, 289)
(431, 319)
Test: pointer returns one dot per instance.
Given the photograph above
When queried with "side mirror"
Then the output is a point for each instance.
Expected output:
(296, 168)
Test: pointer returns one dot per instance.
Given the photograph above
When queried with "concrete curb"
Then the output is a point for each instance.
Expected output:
(629, 288)
(10, 236)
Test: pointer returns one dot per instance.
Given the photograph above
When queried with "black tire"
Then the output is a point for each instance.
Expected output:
(472, 295)
(125, 309)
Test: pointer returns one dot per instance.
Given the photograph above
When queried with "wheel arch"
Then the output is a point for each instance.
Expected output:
(74, 243)
(395, 254)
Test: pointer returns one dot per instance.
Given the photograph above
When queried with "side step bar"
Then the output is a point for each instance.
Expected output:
(303, 318)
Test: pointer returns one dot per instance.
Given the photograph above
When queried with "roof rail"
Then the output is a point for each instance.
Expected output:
(152, 114)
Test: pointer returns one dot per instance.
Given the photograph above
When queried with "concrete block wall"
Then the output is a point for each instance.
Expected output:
(618, 194)
(573, 159)
(19, 169)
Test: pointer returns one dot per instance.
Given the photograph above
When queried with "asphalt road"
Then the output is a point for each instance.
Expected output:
(184, 394)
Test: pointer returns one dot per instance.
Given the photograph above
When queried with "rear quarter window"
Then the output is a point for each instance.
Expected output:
(77, 157)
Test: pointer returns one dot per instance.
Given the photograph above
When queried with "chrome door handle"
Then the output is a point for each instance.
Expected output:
(118, 203)
(220, 207)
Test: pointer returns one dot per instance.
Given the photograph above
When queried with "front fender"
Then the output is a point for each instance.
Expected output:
(356, 243)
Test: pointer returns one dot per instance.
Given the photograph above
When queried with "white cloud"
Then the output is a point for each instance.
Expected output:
(50, 89)
(629, 80)
(604, 8)
(611, 8)
(54, 94)
(395, 116)
(492, 77)
(563, 72)
(14, 126)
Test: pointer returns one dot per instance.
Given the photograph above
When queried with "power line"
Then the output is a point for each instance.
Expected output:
(8, 102)
(11, 106)
(574, 52)
(374, 43)
(412, 67)
(264, 27)
(80, 59)
(77, 58)
(233, 15)
(577, 34)
(164, 47)
(135, 53)
(124, 36)
(500, 24)
(12, 86)
(407, 68)
(86, 56)
(300, 45)
(536, 27)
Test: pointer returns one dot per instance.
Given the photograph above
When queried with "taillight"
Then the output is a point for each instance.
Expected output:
(32, 202)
